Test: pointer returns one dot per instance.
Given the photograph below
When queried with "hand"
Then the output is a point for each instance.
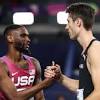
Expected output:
(53, 71)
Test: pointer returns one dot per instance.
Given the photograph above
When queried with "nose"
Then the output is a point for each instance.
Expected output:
(28, 39)
(66, 27)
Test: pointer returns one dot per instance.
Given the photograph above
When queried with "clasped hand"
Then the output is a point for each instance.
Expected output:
(53, 71)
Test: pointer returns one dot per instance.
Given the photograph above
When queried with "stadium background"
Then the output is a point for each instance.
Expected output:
(49, 41)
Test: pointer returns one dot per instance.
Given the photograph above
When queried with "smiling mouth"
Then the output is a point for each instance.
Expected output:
(27, 46)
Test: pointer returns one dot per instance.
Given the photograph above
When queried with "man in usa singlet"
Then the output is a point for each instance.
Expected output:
(22, 78)
(20, 74)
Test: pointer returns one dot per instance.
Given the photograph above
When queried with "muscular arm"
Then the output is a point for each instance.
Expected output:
(69, 83)
(6, 85)
(8, 88)
(40, 94)
(94, 61)
(55, 71)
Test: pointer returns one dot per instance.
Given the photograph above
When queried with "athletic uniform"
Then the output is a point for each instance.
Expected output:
(23, 78)
(85, 80)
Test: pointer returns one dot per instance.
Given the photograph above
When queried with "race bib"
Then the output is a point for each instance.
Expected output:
(31, 98)
(80, 94)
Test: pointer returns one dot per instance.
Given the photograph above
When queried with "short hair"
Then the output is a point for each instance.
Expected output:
(83, 11)
(10, 28)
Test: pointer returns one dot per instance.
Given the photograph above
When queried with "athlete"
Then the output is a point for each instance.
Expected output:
(80, 23)
(20, 74)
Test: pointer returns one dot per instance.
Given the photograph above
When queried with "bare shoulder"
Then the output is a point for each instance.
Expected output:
(37, 64)
(35, 61)
(3, 69)
(95, 48)
(97, 43)
(3, 65)
(94, 53)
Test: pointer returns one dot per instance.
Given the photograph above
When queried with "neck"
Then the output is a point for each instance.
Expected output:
(14, 54)
(84, 38)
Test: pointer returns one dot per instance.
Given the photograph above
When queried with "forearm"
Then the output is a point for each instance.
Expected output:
(95, 95)
(71, 84)
(35, 89)
(39, 96)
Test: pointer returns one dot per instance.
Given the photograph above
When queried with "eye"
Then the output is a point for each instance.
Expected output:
(24, 35)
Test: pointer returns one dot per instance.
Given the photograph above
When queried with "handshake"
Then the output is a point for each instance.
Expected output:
(53, 71)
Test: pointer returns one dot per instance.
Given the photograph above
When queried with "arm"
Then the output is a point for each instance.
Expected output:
(8, 88)
(55, 72)
(40, 94)
(94, 62)
(6, 85)
(69, 83)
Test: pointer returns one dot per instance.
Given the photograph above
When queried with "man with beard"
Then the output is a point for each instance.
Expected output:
(19, 73)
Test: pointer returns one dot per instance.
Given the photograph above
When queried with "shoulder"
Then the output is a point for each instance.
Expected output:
(3, 64)
(34, 61)
(37, 63)
(95, 47)
(3, 69)
(38, 67)
(94, 52)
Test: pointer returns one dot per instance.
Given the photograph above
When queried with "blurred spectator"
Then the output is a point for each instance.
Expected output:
(11, 6)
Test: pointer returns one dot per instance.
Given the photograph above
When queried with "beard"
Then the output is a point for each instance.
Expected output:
(21, 48)
(27, 51)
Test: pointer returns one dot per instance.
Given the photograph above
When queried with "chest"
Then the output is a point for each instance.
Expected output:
(22, 74)
(85, 80)
(22, 78)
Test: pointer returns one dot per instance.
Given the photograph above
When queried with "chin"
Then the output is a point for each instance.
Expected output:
(73, 37)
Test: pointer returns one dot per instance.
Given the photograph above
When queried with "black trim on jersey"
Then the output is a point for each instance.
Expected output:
(85, 52)
(85, 80)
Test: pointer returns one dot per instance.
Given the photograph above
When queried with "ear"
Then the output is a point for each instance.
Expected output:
(78, 22)
(10, 38)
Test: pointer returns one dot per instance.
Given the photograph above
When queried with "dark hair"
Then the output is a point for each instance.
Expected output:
(10, 28)
(83, 11)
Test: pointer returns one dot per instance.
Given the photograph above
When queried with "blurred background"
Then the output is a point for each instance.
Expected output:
(49, 41)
